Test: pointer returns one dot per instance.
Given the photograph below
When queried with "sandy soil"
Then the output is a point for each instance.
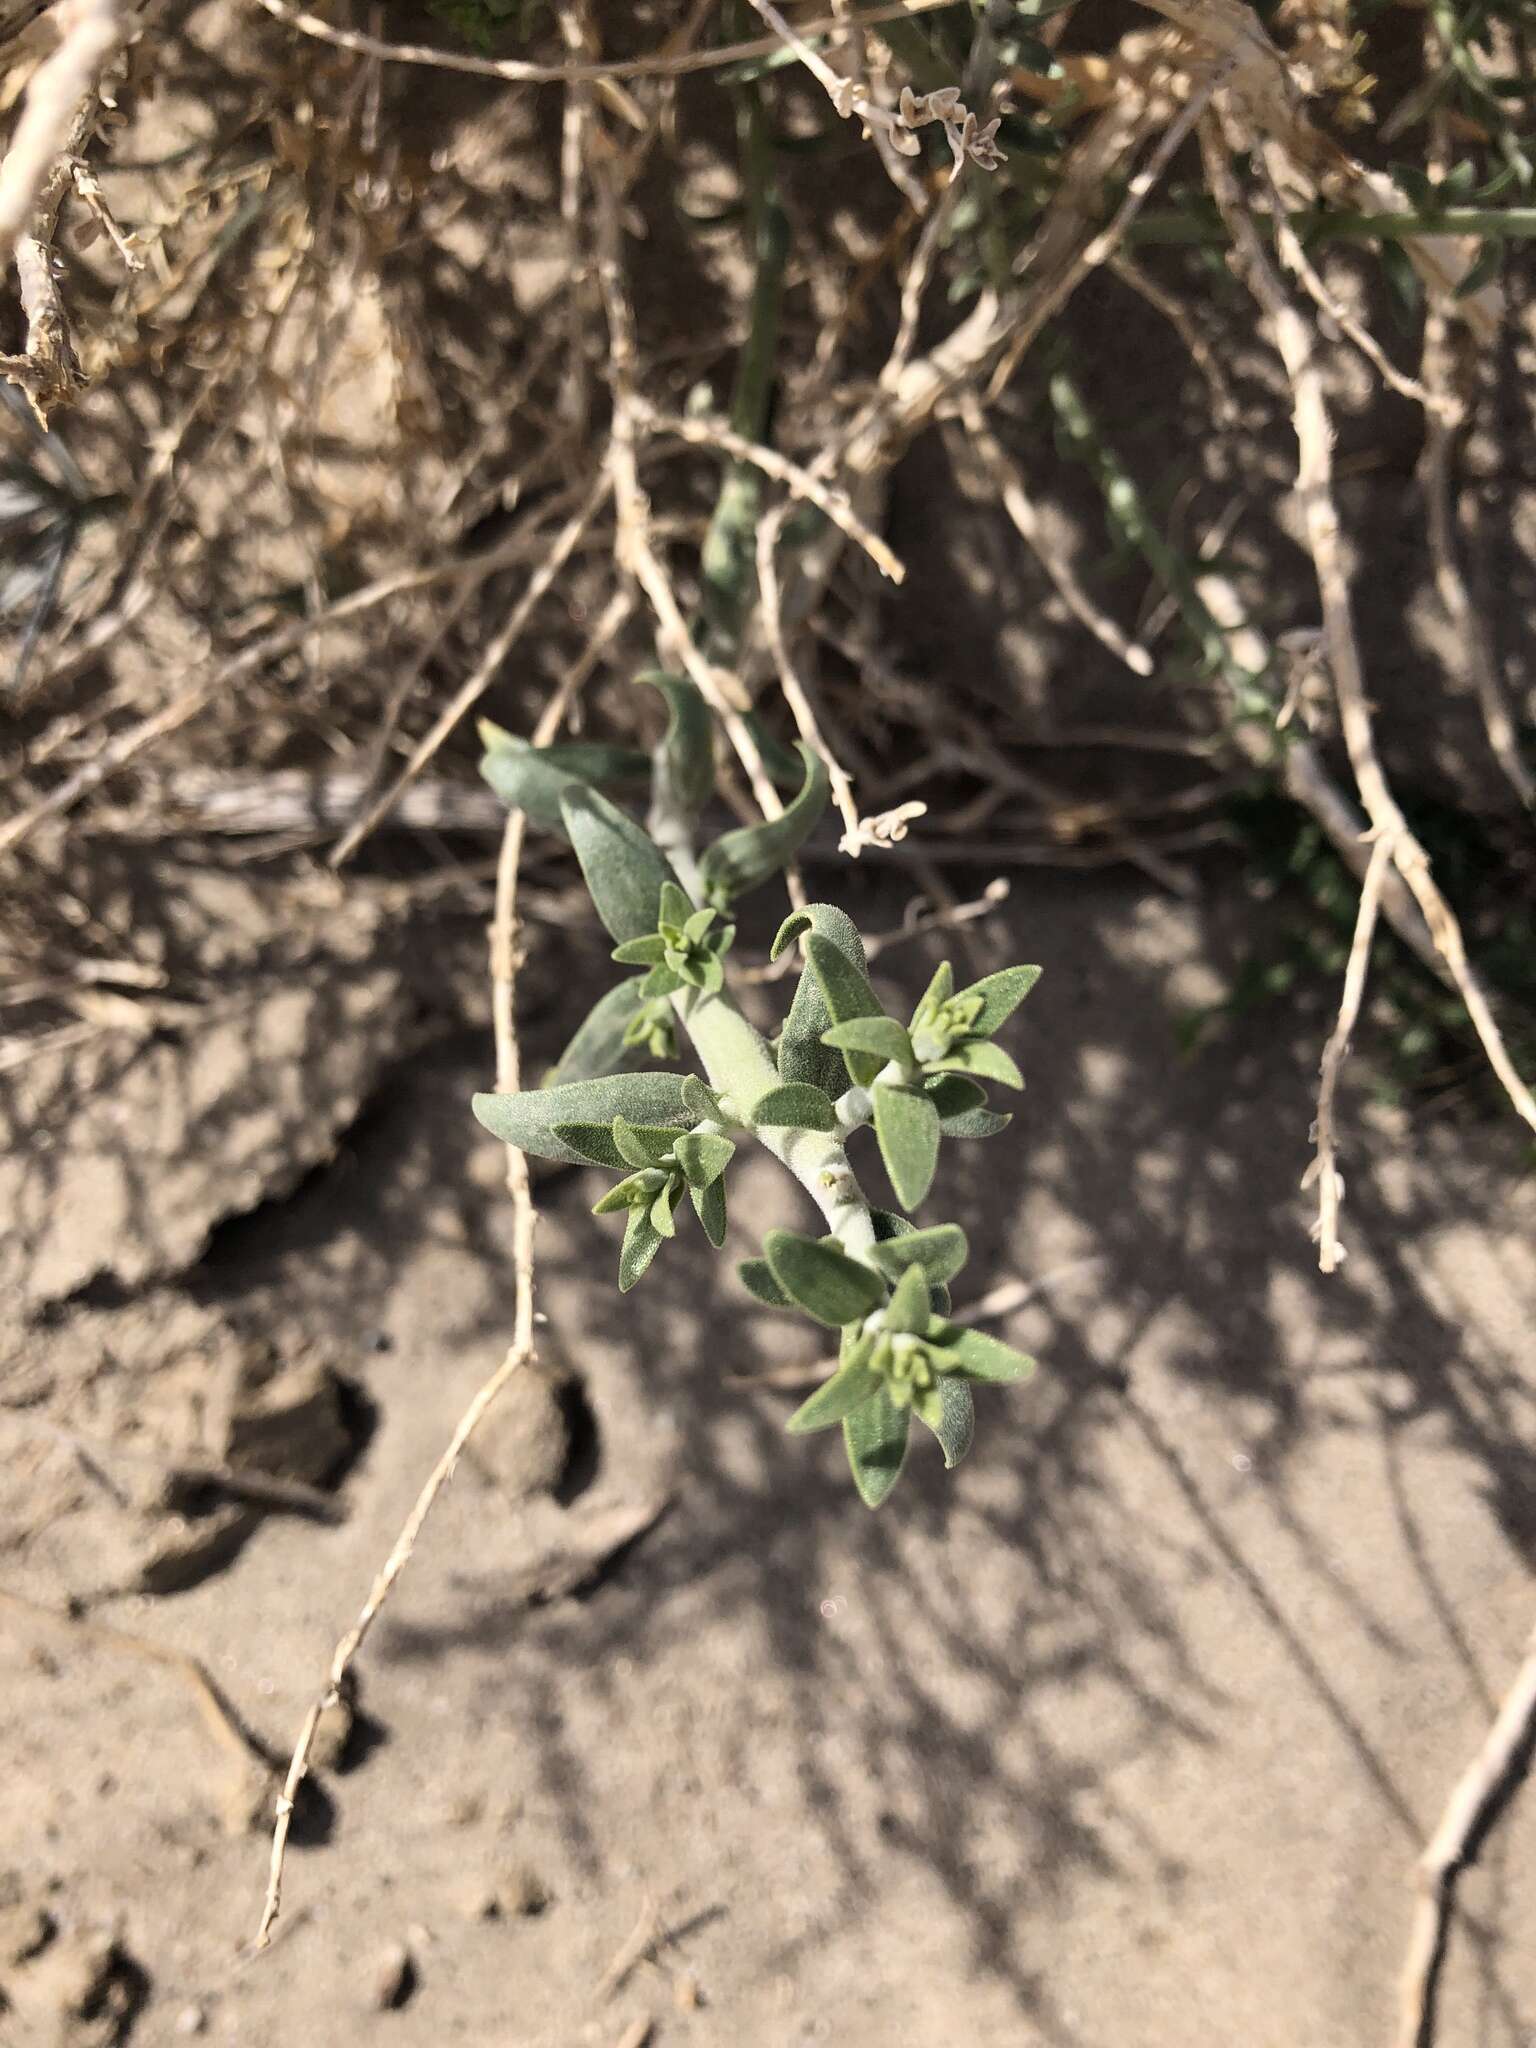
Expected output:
(1125, 1733)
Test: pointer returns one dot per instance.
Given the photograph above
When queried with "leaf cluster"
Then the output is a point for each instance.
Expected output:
(840, 1063)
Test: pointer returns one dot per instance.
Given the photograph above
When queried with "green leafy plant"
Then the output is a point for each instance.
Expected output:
(839, 1065)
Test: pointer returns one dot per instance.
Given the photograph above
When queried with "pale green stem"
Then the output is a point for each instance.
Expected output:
(740, 1069)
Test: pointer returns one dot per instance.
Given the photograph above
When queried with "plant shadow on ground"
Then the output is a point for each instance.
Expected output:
(918, 1675)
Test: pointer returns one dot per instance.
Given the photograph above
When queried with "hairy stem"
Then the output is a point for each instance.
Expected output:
(740, 1069)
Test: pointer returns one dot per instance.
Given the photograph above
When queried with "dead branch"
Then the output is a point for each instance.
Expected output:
(486, 670)
(1324, 1168)
(504, 966)
(1470, 1806)
(1314, 482)
(216, 1716)
(516, 72)
(89, 31)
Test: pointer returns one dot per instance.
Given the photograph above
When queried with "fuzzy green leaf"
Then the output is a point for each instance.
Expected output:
(980, 1057)
(882, 1037)
(592, 1141)
(709, 1207)
(642, 1144)
(802, 1056)
(891, 1229)
(844, 983)
(835, 1398)
(635, 1191)
(598, 760)
(1001, 995)
(534, 779)
(847, 994)
(530, 1121)
(981, 1357)
(876, 1438)
(756, 1275)
(673, 906)
(907, 1309)
(662, 1207)
(783, 766)
(938, 1253)
(907, 1127)
(952, 1094)
(889, 1225)
(647, 952)
(703, 1156)
(642, 1241)
(624, 870)
(951, 1417)
(701, 1101)
(975, 1123)
(525, 782)
(686, 757)
(740, 860)
(661, 981)
(797, 1105)
(939, 990)
(597, 1047)
(827, 1283)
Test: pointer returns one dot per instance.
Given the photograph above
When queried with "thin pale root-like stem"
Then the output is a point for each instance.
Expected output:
(1434, 1874)
(520, 1352)
(1324, 1168)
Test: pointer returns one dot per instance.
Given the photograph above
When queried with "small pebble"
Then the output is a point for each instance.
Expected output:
(521, 1892)
(192, 2019)
(392, 1977)
(686, 1994)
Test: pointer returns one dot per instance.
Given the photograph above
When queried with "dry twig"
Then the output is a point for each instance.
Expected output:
(504, 962)
(89, 31)
(1016, 503)
(1314, 482)
(800, 483)
(1324, 1168)
(518, 72)
(1468, 1809)
(486, 670)
(216, 1716)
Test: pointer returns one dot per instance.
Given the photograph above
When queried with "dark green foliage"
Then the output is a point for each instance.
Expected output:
(534, 779)
(826, 1283)
(685, 761)
(602, 1042)
(795, 1104)
(907, 1126)
(938, 1253)
(846, 995)
(803, 1056)
(624, 870)
(531, 1120)
(753, 854)
(876, 1437)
